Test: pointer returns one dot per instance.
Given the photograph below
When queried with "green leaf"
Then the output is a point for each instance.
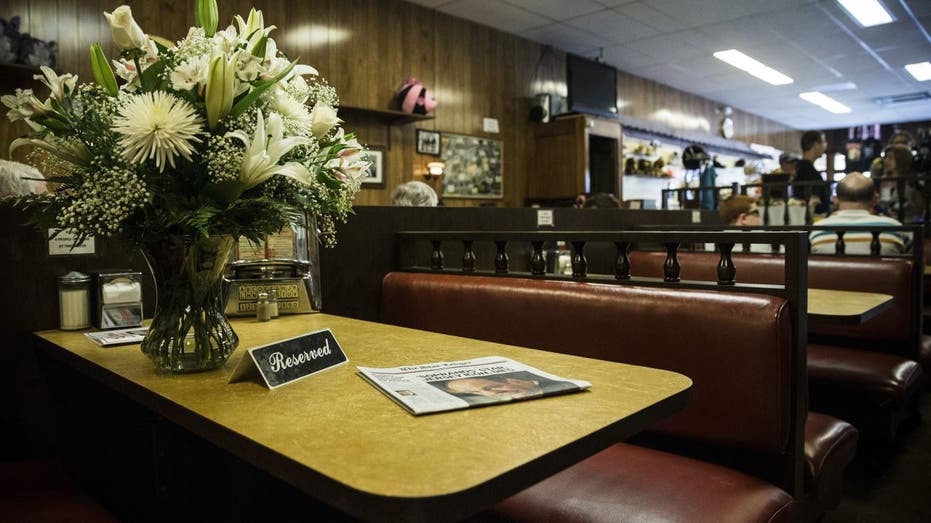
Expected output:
(55, 126)
(150, 76)
(257, 91)
(161, 43)
(226, 192)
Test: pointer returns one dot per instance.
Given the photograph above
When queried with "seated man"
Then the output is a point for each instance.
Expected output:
(414, 194)
(740, 210)
(601, 200)
(855, 200)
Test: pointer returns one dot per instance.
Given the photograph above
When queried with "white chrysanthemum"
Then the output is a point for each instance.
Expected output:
(157, 125)
(294, 112)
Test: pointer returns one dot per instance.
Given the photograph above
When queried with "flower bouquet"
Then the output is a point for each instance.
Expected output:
(206, 140)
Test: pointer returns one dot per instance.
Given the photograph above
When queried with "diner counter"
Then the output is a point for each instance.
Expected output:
(340, 440)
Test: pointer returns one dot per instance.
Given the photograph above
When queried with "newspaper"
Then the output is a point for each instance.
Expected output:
(438, 387)
(117, 337)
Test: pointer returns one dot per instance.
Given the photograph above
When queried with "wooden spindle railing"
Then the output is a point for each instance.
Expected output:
(622, 265)
(579, 262)
(468, 256)
(671, 268)
(501, 257)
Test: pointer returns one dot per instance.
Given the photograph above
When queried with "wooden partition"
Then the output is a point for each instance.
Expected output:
(351, 272)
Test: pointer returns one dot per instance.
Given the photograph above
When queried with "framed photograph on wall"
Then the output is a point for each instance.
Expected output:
(473, 167)
(376, 175)
(428, 142)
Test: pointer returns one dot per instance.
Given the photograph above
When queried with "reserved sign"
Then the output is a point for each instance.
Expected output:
(289, 360)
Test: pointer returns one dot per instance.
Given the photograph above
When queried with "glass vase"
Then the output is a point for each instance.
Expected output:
(189, 332)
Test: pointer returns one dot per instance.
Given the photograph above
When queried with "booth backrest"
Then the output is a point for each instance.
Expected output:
(898, 326)
(736, 347)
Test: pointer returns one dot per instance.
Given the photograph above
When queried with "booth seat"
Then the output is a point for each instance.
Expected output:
(864, 373)
(632, 483)
(745, 418)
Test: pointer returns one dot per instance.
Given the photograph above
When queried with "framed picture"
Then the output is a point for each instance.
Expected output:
(376, 175)
(428, 142)
(473, 167)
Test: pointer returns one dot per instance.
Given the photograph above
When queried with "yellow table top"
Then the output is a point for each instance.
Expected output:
(342, 441)
(847, 306)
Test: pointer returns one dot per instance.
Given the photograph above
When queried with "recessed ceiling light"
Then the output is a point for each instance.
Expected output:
(921, 71)
(867, 12)
(752, 66)
(825, 102)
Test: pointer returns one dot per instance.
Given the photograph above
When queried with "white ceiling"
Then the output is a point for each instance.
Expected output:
(672, 41)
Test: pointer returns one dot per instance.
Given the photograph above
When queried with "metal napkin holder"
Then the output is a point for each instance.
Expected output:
(116, 299)
(292, 279)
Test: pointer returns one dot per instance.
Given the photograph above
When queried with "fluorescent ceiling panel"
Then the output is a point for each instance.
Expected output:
(753, 67)
(825, 102)
(867, 12)
(921, 71)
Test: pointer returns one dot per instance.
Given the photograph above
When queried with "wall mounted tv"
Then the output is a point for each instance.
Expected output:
(592, 87)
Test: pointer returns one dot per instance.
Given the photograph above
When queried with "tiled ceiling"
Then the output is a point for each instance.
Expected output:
(672, 41)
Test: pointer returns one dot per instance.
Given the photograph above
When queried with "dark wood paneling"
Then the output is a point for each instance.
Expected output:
(366, 48)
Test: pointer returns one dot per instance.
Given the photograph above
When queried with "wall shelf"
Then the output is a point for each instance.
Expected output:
(387, 117)
(390, 117)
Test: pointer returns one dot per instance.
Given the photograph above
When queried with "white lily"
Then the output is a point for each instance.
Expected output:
(71, 151)
(265, 149)
(190, 73)
(221, 82)
(24, 105)
(255, 22)
(60, 86)
(226, 40)
(351, 162)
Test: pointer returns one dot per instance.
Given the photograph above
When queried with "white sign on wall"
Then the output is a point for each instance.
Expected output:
(63, 244)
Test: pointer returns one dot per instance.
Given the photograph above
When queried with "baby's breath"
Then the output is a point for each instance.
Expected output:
(223, 159)
(321, 91)
(101, 204)
(194, 44)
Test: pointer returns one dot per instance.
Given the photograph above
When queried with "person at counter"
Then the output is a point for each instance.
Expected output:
(782, 174)
(855, 200)
(813, 146)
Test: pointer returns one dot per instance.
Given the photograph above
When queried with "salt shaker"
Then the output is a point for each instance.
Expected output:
(73, 301)
(262, 308)
(273, 303)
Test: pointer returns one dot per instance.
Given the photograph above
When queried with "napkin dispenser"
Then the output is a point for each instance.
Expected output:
(117, 299)
(291, 278)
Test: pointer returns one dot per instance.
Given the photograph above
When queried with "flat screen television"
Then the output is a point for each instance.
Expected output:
(592, 87)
